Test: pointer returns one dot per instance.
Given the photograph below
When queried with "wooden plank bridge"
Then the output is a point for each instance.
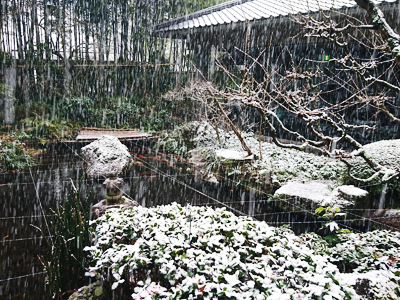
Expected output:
(91, 133)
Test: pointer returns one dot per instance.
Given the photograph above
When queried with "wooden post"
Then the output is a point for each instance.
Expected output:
(10, 80)
(211, 69)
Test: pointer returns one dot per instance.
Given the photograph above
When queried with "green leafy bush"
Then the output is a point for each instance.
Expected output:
(80, 109)
(14, 155)
(361, 252)
(51, 129)
(32, 109)
(180, 140)
(6, 59)
(117, 112)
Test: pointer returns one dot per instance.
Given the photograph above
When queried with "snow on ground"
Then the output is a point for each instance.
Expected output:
(192, 252)
(281, 165)
(277, 164)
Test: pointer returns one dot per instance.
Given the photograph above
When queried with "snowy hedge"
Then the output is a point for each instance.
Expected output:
(179, 140)
(386, 153)
(174, 252)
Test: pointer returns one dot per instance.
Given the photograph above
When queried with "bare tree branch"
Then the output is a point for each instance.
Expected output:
(380, 24)
(299, 92)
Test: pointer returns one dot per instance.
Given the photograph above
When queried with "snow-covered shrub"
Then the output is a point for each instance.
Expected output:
(179, 140)
(372, 256)
(174, 252)
(386, 153)
(364, 252)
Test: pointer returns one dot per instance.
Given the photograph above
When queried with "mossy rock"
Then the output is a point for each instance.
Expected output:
(94, 291)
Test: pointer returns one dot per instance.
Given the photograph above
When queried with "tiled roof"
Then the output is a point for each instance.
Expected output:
(248, 10)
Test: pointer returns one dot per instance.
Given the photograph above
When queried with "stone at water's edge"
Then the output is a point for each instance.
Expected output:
(100, 208)
(389, 217)
(350, 192)
(93, 291)
(231, 156)
(314, 191)
(321, 193)
(106, 157)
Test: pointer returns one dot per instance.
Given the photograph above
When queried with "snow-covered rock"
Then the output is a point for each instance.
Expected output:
(232, 155)
(351, 192)
(322, 193)
(196, 159)
(314, 191)
(106, 157)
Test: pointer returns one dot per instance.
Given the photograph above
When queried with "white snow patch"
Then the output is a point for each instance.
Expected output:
(227, 154)
(392, 213)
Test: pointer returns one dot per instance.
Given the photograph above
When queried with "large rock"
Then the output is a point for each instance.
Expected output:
(390, 217)
(350, 192)
(94, 291)
(106, 157)
(321, 193)
(100, 208)
(314, 191)
(306, 195)
(232, 155)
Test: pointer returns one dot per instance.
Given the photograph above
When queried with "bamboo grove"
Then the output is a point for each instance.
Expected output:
(57, 49)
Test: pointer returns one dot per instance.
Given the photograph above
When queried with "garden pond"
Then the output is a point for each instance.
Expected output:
(29, 197)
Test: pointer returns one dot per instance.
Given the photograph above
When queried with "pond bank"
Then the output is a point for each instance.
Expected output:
(219, 157)
(157, 179)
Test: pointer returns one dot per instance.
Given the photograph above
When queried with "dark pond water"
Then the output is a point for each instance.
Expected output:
(28, 197)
